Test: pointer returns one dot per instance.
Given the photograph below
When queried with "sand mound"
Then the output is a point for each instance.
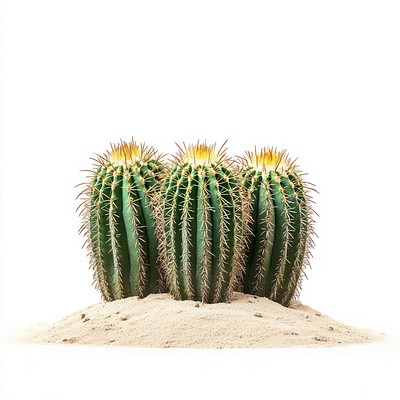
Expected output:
(160, 321)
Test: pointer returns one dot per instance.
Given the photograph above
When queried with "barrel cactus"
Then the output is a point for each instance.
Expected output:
(118, 222)
(201, 225)
(281, 227)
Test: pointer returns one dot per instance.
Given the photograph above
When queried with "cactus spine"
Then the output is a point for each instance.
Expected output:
(118, 223)
(281, 227)
(201, 225)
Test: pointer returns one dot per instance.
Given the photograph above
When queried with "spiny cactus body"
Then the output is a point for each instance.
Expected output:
(201, 219)
(118, 221)
(281, 227)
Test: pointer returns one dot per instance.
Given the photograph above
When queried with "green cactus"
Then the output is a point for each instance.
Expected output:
(201, 225)
(118, 222)
(281, 227)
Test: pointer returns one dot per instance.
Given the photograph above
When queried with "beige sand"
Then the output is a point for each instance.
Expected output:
(160, 321)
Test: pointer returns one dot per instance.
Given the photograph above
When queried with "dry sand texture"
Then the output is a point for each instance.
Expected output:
(160, 321)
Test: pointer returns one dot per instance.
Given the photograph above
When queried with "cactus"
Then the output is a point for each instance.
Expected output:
(201, 225)
(281, 227)
(118, 222)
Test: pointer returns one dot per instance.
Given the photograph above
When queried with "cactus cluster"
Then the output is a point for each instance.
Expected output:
(201, 226)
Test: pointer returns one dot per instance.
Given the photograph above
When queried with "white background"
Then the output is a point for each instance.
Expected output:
(319, 78)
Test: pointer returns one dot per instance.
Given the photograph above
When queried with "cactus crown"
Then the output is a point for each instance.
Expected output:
(268, 159)
(128, 154)
(201, 154)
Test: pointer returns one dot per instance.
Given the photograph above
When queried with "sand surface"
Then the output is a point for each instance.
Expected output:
(160, 321)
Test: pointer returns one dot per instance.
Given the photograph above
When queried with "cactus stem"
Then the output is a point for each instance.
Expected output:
(282, 226)
(118, 222)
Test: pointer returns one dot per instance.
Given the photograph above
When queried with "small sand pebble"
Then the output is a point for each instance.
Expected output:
(257, 314)
(330, 328)
(321, 339)
(124, 318)
(83, 316)
(197, 305)
(86, 320)
(318, 314)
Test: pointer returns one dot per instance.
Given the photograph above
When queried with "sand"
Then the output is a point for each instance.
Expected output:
(160, 321)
